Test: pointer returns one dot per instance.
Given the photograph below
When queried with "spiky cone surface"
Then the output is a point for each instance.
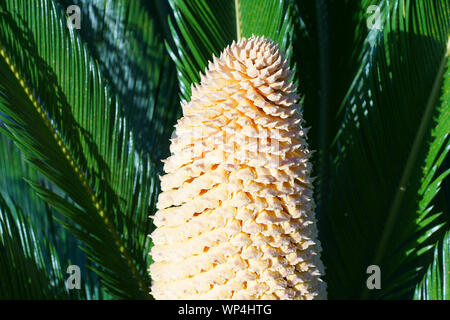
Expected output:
(236, 218)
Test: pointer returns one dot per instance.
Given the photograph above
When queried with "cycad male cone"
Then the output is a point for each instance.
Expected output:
(236, 216)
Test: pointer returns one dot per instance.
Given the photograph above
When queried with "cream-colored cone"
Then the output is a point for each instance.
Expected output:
(236, 216)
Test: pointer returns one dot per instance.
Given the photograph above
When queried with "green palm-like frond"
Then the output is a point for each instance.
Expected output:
(57, 109)
(436, 282)
(14, 171)
(329, 35)
(379, 210)
(203, 28)
(127, 39)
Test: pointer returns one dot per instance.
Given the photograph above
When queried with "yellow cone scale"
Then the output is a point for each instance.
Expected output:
(236, 218)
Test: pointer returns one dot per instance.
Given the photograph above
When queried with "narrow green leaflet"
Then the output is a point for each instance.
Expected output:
(436, 283)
